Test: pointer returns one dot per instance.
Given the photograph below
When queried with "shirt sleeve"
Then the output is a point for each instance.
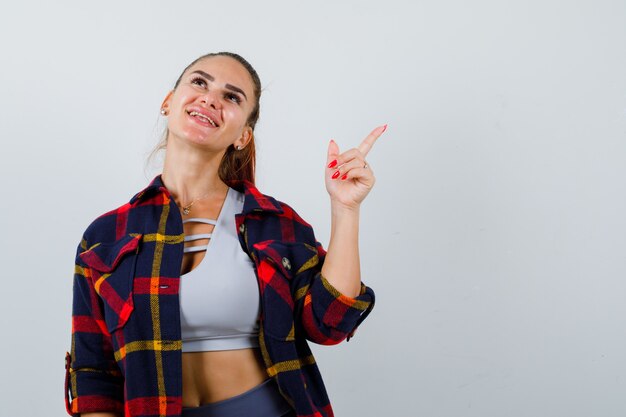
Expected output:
(326, 315)
(93, 379)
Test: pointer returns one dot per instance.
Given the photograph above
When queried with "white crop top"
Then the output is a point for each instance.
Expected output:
(219, 298)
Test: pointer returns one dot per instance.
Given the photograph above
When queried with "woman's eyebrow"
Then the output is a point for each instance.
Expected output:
(228, 86)
(236, 89)
(204, 74)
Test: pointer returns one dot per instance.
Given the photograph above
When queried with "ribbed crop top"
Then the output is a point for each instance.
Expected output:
(219, 298)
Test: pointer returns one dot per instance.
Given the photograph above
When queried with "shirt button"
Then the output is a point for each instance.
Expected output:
(286, 264)
(242, 228)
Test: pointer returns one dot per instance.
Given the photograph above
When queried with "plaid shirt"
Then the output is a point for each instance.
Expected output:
(126, 334)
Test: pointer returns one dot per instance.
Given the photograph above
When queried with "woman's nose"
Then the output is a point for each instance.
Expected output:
(210, 99)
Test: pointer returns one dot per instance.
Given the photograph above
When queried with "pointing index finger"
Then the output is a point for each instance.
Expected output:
(368, 142)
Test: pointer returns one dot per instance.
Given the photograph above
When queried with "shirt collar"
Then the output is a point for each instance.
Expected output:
(254, 200)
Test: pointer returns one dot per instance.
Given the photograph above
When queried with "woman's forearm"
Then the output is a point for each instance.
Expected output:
(342, 266)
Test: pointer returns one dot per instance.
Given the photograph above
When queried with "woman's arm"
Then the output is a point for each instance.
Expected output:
(348, 181)
(342, 266)
(92, 375)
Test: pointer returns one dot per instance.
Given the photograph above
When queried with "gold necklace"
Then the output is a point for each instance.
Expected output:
(187, 208)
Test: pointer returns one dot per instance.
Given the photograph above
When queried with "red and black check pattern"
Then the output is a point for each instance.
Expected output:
(126, 337)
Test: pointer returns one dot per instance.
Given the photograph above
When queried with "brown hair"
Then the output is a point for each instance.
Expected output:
(235, 165)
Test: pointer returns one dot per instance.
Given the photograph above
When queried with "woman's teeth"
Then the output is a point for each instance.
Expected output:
(203, 117)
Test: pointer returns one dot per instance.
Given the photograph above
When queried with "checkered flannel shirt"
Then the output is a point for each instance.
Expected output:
(126, 347)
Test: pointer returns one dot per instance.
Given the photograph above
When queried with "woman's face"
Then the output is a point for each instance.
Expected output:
(211, 105)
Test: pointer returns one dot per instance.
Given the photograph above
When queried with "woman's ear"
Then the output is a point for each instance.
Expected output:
(166, 101)
(246, 136)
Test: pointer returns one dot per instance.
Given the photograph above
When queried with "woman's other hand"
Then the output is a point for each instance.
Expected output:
(348, 176)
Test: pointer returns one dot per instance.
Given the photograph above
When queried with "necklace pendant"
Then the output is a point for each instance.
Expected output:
(185, 210)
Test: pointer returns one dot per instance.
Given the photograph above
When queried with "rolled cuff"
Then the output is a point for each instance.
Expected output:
(92, 390)
(330, 316)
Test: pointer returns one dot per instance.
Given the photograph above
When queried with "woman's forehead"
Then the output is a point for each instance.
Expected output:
(225, 70)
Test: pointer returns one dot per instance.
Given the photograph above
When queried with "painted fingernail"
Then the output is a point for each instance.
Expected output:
(332, 164)
(335, 175)
(344, 176)
(384, 128)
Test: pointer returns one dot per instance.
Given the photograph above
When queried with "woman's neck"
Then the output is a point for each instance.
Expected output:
(189, 173)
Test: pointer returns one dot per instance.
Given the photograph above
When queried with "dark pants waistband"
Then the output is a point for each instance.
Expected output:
(264, 400)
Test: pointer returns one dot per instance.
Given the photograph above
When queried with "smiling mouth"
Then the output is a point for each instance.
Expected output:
(202, 117)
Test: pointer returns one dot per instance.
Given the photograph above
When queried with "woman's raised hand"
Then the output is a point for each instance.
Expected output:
(348, 177)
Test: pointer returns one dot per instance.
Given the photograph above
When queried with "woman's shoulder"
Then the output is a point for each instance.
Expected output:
(129, 216)
(257, 201)
(268, 218)
(105, 226)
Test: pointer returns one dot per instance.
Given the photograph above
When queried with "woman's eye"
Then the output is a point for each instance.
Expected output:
(233, 97)
(198, 81)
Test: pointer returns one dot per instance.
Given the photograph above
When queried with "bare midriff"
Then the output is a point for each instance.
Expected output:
(214, 376)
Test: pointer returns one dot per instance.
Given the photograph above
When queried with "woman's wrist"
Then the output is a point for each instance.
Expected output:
(339, 209)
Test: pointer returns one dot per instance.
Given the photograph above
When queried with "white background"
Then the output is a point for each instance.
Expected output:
(495, 236)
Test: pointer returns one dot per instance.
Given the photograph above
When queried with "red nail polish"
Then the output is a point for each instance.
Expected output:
(332, 164)
(335, 175)
(344, 176)
(384, 128)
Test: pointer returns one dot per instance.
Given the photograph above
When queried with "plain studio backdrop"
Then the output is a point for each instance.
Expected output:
(495, 236)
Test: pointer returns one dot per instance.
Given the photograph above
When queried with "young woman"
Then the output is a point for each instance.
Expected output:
(198, 296)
